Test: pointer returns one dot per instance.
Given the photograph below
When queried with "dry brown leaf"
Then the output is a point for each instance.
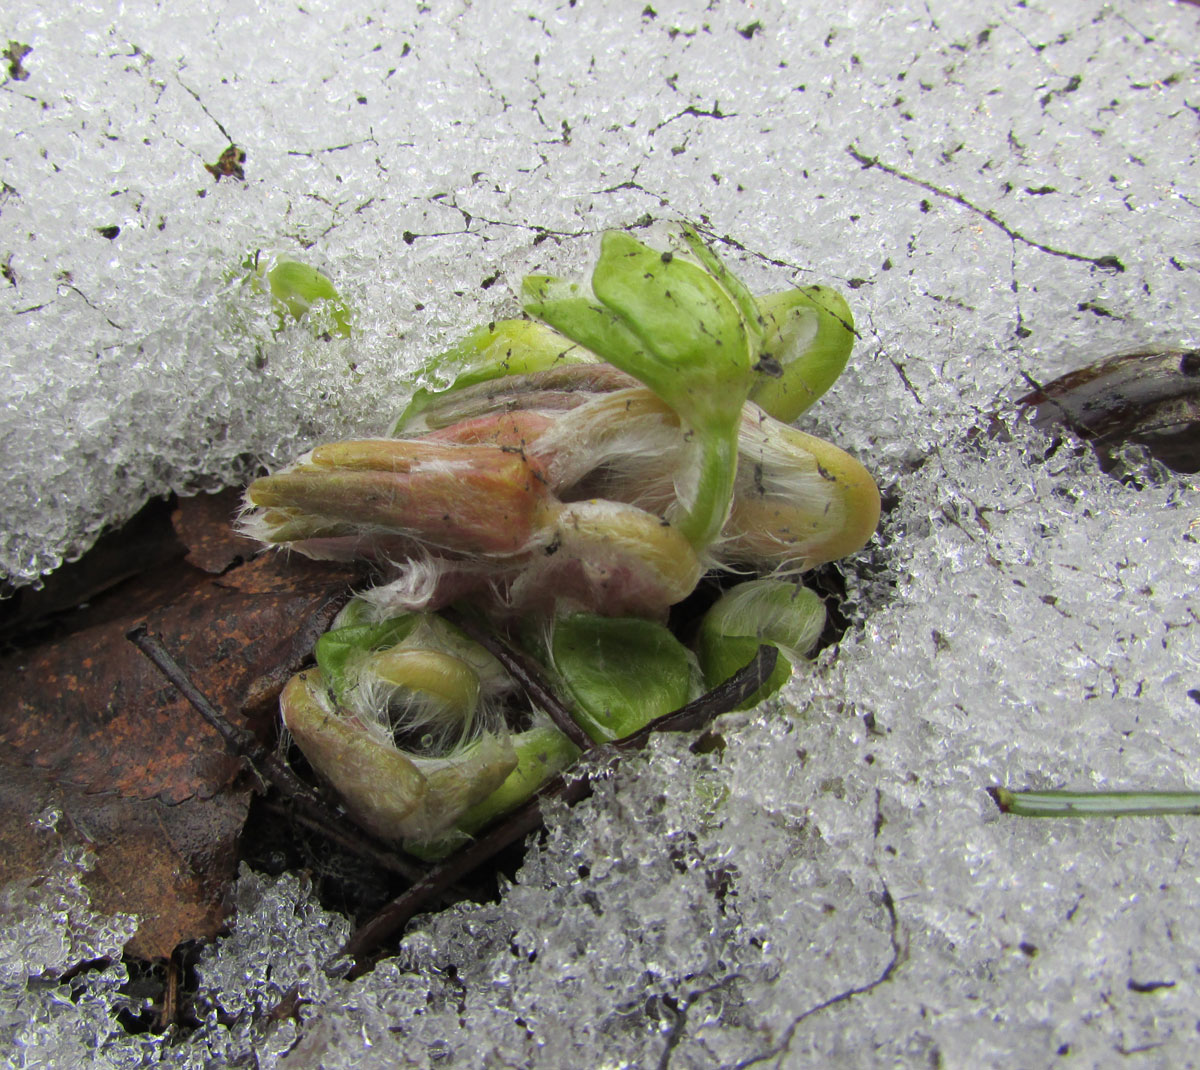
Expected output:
(88, 723)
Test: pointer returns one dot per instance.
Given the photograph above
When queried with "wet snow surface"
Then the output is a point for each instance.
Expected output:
(1004, 192)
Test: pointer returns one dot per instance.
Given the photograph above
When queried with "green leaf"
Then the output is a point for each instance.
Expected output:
(743, 298)
(296, 287)
(339, 650)
(570, 310)
(541, 753)
(808, 335)
(698, 352)
(673, 325)
(620, 673)
(509, 347)
(761, 611)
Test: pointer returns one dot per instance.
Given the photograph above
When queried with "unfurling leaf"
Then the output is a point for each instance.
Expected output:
(760, 611)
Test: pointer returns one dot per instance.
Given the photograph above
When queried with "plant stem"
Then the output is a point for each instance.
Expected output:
(1097, 803)
(706, 515)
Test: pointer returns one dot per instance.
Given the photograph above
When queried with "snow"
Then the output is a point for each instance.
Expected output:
(835, 887)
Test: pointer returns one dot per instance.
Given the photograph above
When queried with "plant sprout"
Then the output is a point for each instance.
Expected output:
(295, 288)
(576, 478)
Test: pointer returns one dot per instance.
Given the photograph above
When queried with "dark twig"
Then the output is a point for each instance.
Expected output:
(238, 740)
(264, 765)
(345, 834)
(570, 788)
(1108, 263)
(521, 668)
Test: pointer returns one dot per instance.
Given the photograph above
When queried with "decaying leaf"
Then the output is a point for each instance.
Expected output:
(1151, 397)
(89, 725)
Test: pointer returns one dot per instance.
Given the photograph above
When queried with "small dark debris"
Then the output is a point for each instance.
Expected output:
(288, 1006)
(1073, 83)
(408, 237)
(649, 13)
(229, 165)
(1147, 986)
(769, 366)
(109, 232)
(1040, 191)
(750, 29)
(1099, 310)
(15, 53)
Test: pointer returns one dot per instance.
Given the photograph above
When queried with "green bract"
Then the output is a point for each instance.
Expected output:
(761, 611)
(509, 347)
(620, 673)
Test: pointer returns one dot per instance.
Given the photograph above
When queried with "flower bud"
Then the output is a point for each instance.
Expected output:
(798, 502)
(472, 499)
(388, 718)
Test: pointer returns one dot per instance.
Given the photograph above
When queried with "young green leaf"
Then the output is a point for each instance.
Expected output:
(760, 611)
(509, 347)
(619, 672)
(542, 752)
(296, 287)
(672, 325)
(808, 335)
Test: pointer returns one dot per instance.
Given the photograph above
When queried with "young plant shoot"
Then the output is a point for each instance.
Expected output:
(575, 477)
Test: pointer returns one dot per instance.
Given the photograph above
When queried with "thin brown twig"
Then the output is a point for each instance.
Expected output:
(345, 834)
(266, 767)
(391, 919)
(521, 668)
